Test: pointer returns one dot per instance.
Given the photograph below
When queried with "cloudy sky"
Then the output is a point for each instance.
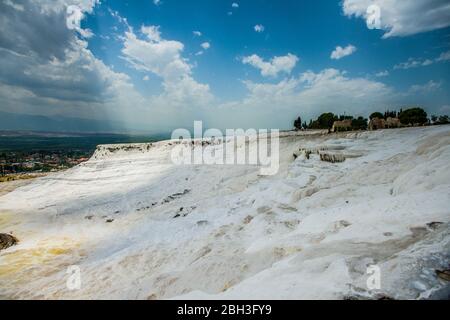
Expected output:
(161, 64)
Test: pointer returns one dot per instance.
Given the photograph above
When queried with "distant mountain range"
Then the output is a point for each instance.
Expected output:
(12, 121)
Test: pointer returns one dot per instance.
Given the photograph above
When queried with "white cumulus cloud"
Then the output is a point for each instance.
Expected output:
(152, 32)
(422, 62)
(308, 94)
(164, 58)
(16, 6)
(383, 73)
(282, 64)
(428, 87)
(400, 18)
(340, 52)
(259, 28)
(445, 56)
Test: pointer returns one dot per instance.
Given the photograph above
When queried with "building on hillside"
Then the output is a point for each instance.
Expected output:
(345, 125)
(377, 123)
(393, 123)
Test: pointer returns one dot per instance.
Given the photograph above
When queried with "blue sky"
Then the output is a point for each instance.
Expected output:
(308, 29)
(262, 62)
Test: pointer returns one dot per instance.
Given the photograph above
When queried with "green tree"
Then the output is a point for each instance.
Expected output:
(413, 116)
(344, 117)
(434, 118)
(326, 120)
(359, 124)
(314, 124)
(390, 114)
(444, 120)
(378, 115)
(298, 123)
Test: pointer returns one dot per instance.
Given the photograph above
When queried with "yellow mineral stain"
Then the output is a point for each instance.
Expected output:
(286, 251)
(227, 286)
(6, 220)
(22, 264)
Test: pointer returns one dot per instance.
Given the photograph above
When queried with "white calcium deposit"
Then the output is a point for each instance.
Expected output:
(139, 227)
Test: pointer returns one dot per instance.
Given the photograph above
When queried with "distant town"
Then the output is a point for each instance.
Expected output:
(24, 155)
(42, 161)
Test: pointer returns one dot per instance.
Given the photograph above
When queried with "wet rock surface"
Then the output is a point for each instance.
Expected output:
(443, 274)
(434, 225)
(7, 240)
